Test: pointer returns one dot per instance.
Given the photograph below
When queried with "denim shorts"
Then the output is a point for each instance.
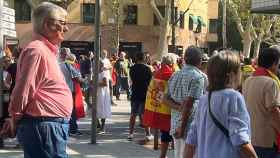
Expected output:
(165, 137)
(137, 107)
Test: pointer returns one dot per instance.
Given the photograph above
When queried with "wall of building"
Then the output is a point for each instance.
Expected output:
(144, 31)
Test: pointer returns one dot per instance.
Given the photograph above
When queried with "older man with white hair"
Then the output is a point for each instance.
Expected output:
(71, 74)
(41, 102)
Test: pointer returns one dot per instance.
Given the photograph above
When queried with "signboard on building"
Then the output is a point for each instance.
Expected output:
(265, 6)
(131, 48)
(79, 47)
(7, 22)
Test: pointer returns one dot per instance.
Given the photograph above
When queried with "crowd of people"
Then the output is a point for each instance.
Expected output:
(222, 106)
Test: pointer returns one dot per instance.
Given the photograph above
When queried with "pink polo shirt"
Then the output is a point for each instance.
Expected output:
(40, 88)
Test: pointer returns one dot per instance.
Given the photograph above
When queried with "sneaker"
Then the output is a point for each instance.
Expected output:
(101, 131)
(149, 137)
(114, 104)
(78, 133)
(118, 98)
(130, 137)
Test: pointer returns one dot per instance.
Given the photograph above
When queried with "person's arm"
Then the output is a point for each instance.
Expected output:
(75, 74)
(8, 80)
(239, 126)
(171, 103)
(187, 110)
(195, 91)
(132, 74)
(189, 151)
(103, 83)
(247, 151)
(191, 141)
(272, 103)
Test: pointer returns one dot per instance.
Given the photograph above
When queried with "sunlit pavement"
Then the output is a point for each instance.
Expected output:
(112, 144)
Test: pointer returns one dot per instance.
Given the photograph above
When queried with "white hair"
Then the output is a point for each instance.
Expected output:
(43, 11)
(169, 59)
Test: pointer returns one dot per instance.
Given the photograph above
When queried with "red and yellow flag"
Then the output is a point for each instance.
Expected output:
(157, 115)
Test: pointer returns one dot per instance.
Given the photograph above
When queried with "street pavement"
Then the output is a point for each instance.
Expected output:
(112, 144)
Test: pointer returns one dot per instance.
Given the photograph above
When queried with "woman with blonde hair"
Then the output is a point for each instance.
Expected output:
(221, 127)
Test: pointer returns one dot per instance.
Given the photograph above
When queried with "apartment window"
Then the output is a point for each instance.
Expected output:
(162, 12)
(23, 11)
(191, 22)
(88, 12)
(182, 20)
(175, 15)
(213, 25)
(131, 17)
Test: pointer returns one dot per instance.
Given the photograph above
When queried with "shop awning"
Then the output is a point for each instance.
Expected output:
(194, 19)
(199, 19)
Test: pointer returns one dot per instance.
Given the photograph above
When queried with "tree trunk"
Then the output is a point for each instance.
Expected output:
(162, 41)
(257, 46)
(162, 47)
(116, 37)
(247, 47)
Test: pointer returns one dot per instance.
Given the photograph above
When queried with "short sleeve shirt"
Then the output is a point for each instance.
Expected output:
(188, 82)
(261, 93)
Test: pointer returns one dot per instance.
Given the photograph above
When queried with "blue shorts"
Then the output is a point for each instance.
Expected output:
(137, 107)
(165, 137)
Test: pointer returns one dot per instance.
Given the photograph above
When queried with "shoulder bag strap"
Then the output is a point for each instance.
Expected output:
(217, 123)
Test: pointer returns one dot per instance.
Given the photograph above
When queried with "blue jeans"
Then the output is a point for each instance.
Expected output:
(43, 137)
(266, 152)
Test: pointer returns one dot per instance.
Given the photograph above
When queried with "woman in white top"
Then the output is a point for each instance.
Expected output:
(103, 98)
(221, 127)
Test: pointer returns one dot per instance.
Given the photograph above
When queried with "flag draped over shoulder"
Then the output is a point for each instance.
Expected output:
(78, 101)
(157, 115)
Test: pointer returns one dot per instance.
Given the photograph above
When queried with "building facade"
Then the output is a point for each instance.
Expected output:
(136, 24)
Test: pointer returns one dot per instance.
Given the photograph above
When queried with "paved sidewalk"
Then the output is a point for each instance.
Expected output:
(112, 144)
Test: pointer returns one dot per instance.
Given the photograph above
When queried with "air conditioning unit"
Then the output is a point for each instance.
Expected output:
(266, 6)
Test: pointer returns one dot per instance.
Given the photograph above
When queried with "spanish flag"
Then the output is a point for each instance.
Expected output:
(158, 115)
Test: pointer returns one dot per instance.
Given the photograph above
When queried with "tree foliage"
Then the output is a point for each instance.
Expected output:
(253, 28)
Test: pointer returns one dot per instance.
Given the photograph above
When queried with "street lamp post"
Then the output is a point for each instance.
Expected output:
(96, 70)
(224, 24)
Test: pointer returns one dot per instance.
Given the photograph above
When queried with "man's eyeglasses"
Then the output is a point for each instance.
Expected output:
(61, 22)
